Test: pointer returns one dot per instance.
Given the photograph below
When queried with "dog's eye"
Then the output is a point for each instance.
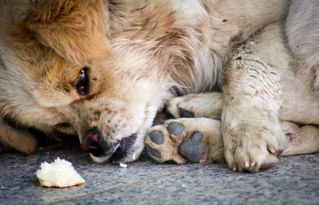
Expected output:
(82, 87)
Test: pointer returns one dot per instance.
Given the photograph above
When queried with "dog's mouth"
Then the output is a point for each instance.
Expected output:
(117, 153)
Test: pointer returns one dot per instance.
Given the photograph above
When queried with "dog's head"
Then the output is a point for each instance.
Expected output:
(107, 98)
(110, 105)
(44, 46)
(120, 104)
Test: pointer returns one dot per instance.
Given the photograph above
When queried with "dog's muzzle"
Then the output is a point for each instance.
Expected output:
(101, 151)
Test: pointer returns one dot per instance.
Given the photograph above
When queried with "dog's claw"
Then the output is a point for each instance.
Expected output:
(271, 149)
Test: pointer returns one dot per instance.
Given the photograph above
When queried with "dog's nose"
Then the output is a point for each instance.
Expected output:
(97, 144)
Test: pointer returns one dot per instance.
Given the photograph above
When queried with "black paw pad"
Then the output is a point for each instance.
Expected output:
(175, 128)
(153, 152)
(157, 137)
(192, 149)
(185, 113)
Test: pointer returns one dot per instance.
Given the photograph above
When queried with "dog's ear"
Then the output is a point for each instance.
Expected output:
(76, 29)
(19, 139)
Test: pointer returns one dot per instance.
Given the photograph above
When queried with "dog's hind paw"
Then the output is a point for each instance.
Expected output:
(185, 140)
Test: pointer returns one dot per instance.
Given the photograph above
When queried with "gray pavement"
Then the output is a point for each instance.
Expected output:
(294, 181)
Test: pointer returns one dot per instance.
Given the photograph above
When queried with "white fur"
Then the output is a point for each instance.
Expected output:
(189, 10)
(260, 110)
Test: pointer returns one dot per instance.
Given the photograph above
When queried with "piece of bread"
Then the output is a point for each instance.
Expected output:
(123, 165)
(59, 173)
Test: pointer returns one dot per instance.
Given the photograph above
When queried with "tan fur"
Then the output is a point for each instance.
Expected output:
(75, 29)
(157, 49)
(36, 82)
(22, 140)
(212, 140)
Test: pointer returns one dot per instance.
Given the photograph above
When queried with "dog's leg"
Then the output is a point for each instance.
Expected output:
(197, 105)
(252, 97)
(21, 140)
(186, 140)
(199, 140)
(300, 140)
(250, 125)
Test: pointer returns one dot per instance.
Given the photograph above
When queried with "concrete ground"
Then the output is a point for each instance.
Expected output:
(294, 181)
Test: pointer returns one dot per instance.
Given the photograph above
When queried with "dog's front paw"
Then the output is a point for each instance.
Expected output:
(251, 147)
(197, 105)
(184, 140)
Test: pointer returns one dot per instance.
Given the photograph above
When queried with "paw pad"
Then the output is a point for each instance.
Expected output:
(175, 128)
(185, 113)
(192, 149)
(157, 137)
(153, 152)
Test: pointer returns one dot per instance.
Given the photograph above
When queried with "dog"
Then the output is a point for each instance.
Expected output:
(154, 51)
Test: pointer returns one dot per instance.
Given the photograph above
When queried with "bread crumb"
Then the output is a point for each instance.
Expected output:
(123, 165)
(59, 173)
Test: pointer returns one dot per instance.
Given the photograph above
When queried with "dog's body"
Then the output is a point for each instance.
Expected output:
(260, 119)
(168, 48)
(268, 105)
(302, 36)
(157, 49)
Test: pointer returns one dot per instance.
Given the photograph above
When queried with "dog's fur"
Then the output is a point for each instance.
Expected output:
(156, 50)
(302, 36)
(259, 116)
(37, 83)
